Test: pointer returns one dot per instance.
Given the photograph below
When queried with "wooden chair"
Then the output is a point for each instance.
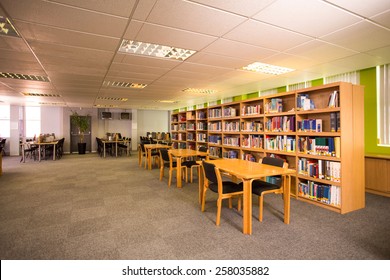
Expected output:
(270, 184)
(166, 160)
(190, 164)
(155, 155)
(225, 189)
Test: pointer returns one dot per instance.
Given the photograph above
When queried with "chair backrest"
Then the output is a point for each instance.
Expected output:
(203, 149)
(142, 147)
(276, 180)
(209, 172)
(274, 162)
(164, 154)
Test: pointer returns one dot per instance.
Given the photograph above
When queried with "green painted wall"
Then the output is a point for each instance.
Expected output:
(368, 80)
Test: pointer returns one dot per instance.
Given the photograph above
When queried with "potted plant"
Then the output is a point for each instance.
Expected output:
(82, 124)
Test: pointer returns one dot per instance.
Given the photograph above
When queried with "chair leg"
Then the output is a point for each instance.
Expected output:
(219, 207)
(261, 200)
(170, 178)
(230, 202)
(161, 172)
(204, 199)
(239, 203)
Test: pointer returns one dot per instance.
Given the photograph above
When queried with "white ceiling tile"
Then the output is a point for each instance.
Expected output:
(238, 50)
(143, 9)
(193, 17)
(303, 16)
(47, 34)
(266, 36)
(319, 52)
(382, 53)
(173, 37)
(218, 60)
(150, 61)
(138, 69)
(362, 37)
(246, 8)
(118, 7)
(383, 19)
(49, 13)
(363, 7)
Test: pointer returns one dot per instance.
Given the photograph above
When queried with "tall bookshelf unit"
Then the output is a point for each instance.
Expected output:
(318, 131)
(201, 128)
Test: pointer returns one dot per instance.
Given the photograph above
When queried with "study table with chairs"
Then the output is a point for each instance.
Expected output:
(41, 147)
(246, 178)
(112, 145)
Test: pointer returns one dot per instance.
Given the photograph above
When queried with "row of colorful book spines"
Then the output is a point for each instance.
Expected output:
(250, 110)
(328, 194)
(310, 125)
(321, 169)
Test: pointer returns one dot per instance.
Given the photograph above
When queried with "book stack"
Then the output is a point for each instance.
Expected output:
(280, 143)
(335, 122)
(231, 126)
(229, 112)
(251, 126)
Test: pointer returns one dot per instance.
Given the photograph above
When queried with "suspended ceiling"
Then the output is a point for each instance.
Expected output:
(75, 44)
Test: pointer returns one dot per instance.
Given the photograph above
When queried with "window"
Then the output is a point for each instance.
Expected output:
(33, 121)
(5, 121)
(383, 104)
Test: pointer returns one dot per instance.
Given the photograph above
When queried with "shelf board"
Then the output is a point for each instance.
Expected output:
(322, 181)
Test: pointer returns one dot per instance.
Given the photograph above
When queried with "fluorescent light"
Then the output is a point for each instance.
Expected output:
(124, 84)
(149, 49)
(24, 77)
(267, 68)
(200, 90)
(166, 101)
(40, 94)
(6, 27)
(105, 106)
(112, 98)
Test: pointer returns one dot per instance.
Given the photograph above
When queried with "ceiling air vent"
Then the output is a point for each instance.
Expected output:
(124, 84)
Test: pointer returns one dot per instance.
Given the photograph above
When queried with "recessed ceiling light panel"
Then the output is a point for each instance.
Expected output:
(40, 94)
(24, 77)
(267, 68)
(149, 49)
(167, 101)
(6, 27)
(200, 90)
(124, 85)
(112, 98)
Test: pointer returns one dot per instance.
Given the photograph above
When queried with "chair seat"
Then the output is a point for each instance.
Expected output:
(228, 187)
(174, 164)
(189, 163)
(258, 187)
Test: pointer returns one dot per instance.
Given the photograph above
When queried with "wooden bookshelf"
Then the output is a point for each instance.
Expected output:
(324, 144)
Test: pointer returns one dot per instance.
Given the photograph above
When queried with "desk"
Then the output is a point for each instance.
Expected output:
(40, 145)
(116, 142)
(148, 151)
(184, 153)
(248, 171)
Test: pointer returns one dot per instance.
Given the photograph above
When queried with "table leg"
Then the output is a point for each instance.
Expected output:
(54, 152)
(247, 207)
(286, 196)
(104, 149)
(178, 172)
(116, 149)
(139, 156)
(39, 153)
(201, 178)
(150, 159)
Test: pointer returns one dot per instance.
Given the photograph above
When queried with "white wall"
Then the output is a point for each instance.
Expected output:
(57, 120)
(51, 121)
(149, 121)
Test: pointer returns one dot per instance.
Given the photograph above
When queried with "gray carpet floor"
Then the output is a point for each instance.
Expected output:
(86, 207)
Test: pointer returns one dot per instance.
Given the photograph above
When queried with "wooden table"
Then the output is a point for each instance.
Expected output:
(40, 144)
(148, 151)
(184, 153)
(116, 142)
(248, 171)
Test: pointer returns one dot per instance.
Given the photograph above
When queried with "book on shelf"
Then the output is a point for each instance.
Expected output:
(335, 122)
(321, 146)
(310, 125)
(333, 99)
(275, 105)
(321, 169)
(304, 102)
(250, 110)
(327, 194)
(281, 124)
